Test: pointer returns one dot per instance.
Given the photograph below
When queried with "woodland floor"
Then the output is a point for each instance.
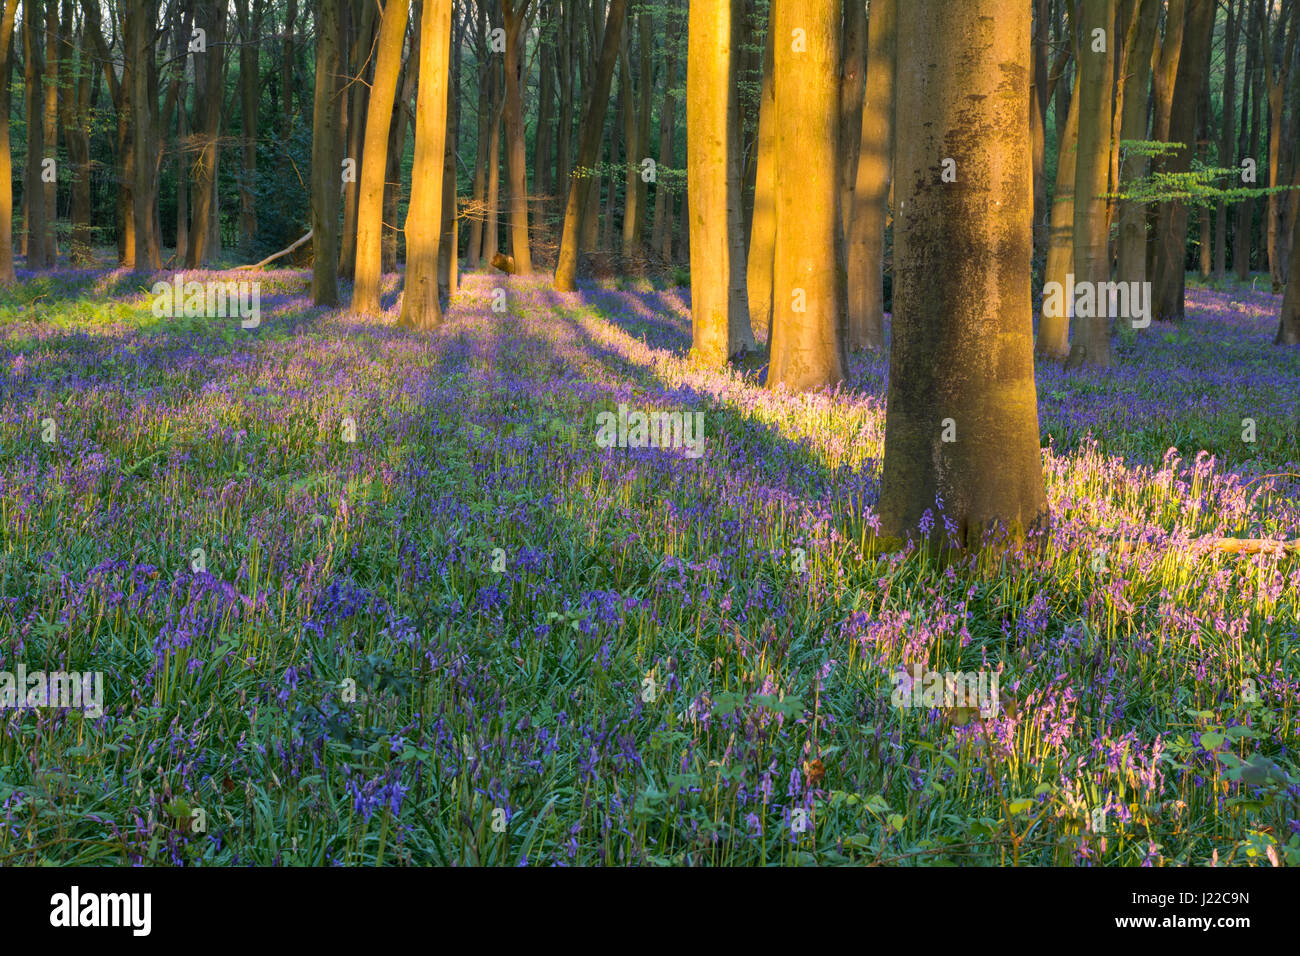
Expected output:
(650, 676)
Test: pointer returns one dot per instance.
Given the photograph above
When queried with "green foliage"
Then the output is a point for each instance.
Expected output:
(1199, 186)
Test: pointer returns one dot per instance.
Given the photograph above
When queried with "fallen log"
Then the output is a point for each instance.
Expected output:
(1222, 545)
(282, 252)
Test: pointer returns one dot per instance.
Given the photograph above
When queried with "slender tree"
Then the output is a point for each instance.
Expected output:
(516, 16)
(374, 163)
(7, 19)
(1092, 168)
(33, 194)
(326, 165)
(762, 224)
(421, 308)
(866, 248)
(961, 433)
(590, 132)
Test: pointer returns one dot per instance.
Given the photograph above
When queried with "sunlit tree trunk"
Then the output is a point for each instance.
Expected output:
(420, 304)
(866, 248)
(807, 279)
(7, 19)
(961, 362)
(374, 163)
(590, 133)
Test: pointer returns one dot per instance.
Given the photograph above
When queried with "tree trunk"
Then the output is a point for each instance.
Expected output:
(516, 152)
(362, 69)
(249, 89)
(325, 163)
(1288, 328)
(492, 213)
(33, 190)
(144, 15)
(50, 116)
(661, 237)
(449, 240)
(1131, 244)
(374, 163)
(208, 70)
(1092, 169)
(871, 191)
(807, 284)
(397, 147)
(475, 245)
(1248, 141)
(421, 308)
(1054, 330)
(762, 222)
(7, 19)
(593, 123)
(853, 84)
(1170, 273)
(961, 353)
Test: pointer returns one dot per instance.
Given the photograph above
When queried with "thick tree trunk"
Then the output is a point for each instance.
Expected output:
(1288, 329)
(374, 163)
(1092, 170)
(449, 240)
(717, 326)
(961, 363)
(866, 250)
(1170, 273)
(475, 245)
(421, 308)
(325, 163)
(807, 281)
(593, 123)
(397, 147)
(492, 212)
(516, 151)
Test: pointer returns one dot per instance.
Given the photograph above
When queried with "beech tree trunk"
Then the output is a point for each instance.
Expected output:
(961, 356)
(866, 248)
(762, 222)
(516, 152)
(1092, 168)
(7, 19)
(1170, 273)
(33, 190)
(1131, 244)
(325, 163)
(807, 280)
(421, 308)
(374, 163)
(593, 122)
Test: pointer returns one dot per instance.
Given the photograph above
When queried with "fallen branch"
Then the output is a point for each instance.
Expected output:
(1223, 545)
(282, 252)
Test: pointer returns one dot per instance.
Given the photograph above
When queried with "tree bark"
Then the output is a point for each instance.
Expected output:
(961, 348)
(1054, 330)
(325, 162)
(591, 129)
(421, 308)
(516, 14)
(1131, 244)
(362, 70)
(7, 19)
(33, 190)
(374, 163)
(1170, 273)
(1092, 169)
(807, 282)
(208, 68)
(871, 191)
